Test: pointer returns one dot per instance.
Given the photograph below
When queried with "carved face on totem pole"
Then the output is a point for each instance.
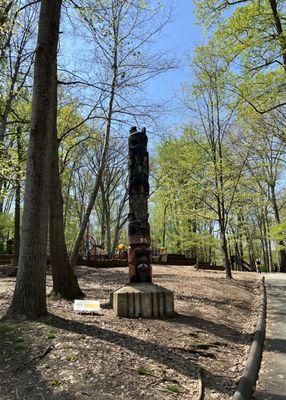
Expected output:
(138, 227)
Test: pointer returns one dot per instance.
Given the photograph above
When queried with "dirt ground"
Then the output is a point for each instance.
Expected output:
(105, 357)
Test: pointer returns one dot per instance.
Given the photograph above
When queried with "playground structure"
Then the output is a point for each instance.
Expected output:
(92, 251)
(92, 254)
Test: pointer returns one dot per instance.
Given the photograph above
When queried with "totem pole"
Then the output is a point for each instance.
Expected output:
(138, 228)
(140, 298)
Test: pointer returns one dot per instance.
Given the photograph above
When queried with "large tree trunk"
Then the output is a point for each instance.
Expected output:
(282, 252)
(267, 226)
(65, 283)
(29, 297)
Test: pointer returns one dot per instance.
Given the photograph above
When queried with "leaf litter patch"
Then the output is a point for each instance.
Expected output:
(67, 356)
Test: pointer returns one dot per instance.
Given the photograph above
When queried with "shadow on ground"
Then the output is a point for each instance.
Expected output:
(27, 382)
(268, 396)
(169, 357)
(217, 329)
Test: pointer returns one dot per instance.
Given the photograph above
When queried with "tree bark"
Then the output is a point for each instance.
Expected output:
(282, 252)
(267, 226)
(263, 241)
(29, 297)
(108, 228)
(103, 216)
(225, 255)
(279, 30)
(4, 11)
(65, 283)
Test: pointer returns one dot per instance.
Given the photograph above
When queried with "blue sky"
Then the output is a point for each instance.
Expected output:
(182, 35)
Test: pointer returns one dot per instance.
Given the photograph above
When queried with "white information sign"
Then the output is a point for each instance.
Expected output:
(87, 306)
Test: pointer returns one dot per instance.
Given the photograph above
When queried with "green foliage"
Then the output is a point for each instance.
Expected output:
(55, 382)
(246, 37)
(143, 371)
(6, 229)
(19, 339)
(72, 358)
(278, 233)
(51, 335)
(173, 389)
(177, 204)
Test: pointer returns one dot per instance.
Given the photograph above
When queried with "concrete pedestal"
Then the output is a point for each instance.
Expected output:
(143, 300)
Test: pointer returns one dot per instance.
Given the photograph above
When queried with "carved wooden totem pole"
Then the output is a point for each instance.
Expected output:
(140, 297)
(138, 228)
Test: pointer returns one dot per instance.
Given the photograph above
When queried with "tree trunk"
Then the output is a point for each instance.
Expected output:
(282, 252)
(96, 188)
(103, 230)
(210, 248)
(108, 229)
(164, 226)
(270, 262)
(250, 250)
(225, 255)
(120, 221)
(240, 236)
(4, 11)
(279, 30)
(6, 109)
(65, 283)
(29, 297)
(264, 240)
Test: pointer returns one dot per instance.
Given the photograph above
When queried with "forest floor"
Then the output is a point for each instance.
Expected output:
(105, 357)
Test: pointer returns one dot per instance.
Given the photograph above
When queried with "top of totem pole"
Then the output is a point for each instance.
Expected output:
(137, 138)
(133, 129)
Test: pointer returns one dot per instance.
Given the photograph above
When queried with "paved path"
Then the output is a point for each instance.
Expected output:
(272, 377)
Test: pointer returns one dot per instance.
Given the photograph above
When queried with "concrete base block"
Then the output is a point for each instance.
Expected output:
(143, 300)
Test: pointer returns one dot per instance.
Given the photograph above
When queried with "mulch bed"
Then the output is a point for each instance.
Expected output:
(77, 357)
